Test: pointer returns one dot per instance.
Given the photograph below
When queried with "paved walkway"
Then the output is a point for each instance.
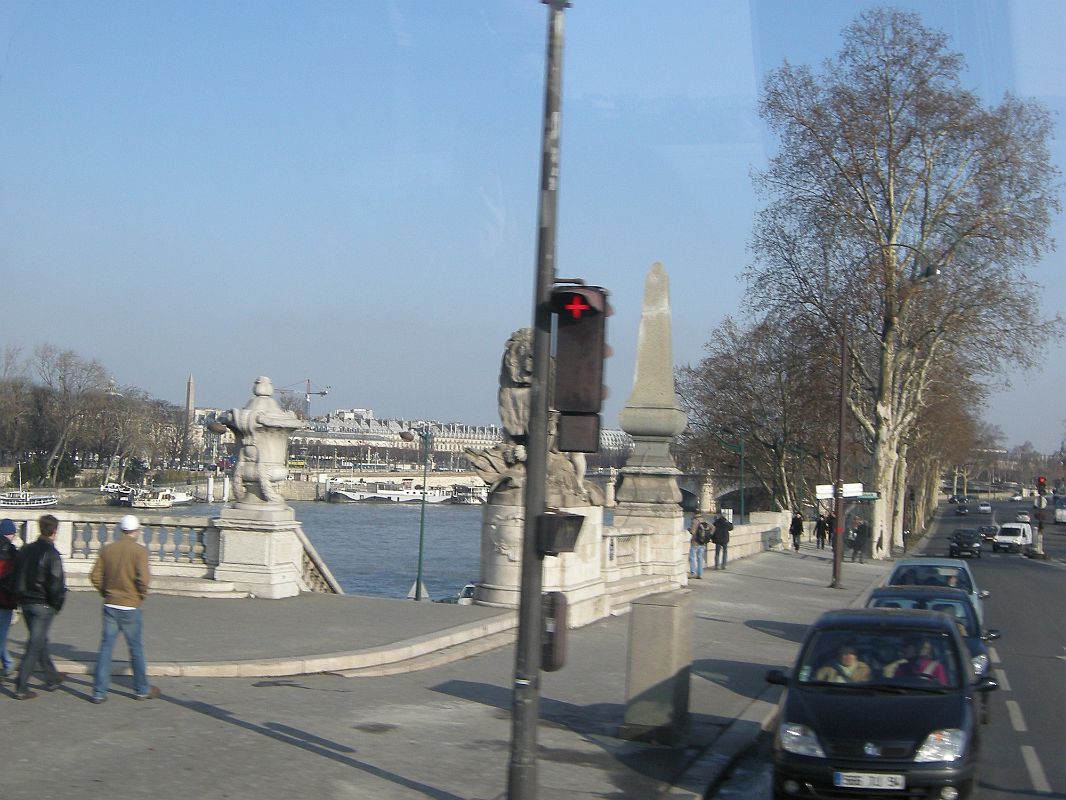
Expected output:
(434, 722)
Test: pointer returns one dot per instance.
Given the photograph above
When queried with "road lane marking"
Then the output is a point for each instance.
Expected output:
(1001, 679)
(1036, 770)
(993, 656)
(1017, 721)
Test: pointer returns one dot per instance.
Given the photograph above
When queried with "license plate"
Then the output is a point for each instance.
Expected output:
(868, 780)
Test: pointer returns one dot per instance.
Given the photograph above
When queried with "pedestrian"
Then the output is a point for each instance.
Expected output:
(8, 552)
(831, 530)
(720, 537)
(821, 528)
(796, 530)
(121, 575)
(859, 540)
(40, 589)
(699, 534)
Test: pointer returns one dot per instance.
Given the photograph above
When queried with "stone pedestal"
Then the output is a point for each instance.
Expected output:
(259, 551)
(658, 669)
(576, 574)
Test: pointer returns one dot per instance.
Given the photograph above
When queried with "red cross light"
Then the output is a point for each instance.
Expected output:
(576, 306)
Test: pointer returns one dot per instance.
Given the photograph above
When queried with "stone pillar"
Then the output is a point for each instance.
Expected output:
(649, 500)
(259, 551)
(659, 667)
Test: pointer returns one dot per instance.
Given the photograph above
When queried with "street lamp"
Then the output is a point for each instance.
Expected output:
(739, 449)
(425, 436)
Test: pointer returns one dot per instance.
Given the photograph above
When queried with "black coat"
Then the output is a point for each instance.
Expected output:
(39, 578)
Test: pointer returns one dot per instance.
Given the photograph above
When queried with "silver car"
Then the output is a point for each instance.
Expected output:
(938, 572)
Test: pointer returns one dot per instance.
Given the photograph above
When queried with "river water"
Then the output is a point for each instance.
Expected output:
(372, 548)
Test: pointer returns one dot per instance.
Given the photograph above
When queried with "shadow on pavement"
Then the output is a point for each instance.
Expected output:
(309, 743)
(789, 631)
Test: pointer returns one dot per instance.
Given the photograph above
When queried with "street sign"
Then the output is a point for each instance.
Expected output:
(824, 491)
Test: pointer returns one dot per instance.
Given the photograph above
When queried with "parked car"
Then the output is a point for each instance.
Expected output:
(1060, 510)
(962, 510)
(984, 507)
(465, 596)
(1016, 498)
(965, 542)
(1013, 537)
(858, 718)
(931, 571)
(1022, 516)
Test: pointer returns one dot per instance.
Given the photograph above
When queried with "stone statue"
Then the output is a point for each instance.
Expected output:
(503, 467)
(262, 429)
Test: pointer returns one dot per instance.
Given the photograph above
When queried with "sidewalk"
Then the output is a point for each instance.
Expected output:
(435, 723)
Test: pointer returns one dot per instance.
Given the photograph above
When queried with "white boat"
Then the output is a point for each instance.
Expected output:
(151, 498)
(118, 494)
(465, 495)
(23, 499)
(385, 492)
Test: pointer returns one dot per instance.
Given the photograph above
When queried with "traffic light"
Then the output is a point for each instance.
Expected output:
(580, 348)
(1041, 484)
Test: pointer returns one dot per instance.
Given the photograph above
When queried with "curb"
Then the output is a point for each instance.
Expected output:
(392, 656)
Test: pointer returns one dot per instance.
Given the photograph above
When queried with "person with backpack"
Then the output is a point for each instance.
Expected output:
(699, 533)
(7, 590)
(720, 537)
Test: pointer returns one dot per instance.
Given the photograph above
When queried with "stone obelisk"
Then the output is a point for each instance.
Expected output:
(649, 500)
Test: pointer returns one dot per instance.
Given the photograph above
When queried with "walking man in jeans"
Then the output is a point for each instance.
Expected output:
(40, 588)
(8, 551)
(121, 575)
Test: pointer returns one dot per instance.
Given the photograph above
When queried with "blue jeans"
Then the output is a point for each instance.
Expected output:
(5, 625)
(38, 620)
(695, 559)
(131, 623)
(721, 550)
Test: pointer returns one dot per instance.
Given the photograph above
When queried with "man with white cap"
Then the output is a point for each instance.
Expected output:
(121, 575)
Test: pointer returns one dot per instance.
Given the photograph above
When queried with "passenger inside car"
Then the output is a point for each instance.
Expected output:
(845, 668)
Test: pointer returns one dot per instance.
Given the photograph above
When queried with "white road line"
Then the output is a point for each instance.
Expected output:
(1017, 721)
(993, 656)
(1036, 770)
(1001, 679)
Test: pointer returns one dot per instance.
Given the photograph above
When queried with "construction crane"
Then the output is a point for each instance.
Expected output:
(308, 392)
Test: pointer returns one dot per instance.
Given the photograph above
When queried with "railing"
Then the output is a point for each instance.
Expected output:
(174, 540)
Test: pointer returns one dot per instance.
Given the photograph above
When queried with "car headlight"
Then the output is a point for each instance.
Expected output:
(800, 739)
(980, 664)
(942, 745)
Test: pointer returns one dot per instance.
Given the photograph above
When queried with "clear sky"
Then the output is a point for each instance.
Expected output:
(346, 191)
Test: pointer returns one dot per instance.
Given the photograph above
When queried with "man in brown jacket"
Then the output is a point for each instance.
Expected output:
(121, 575)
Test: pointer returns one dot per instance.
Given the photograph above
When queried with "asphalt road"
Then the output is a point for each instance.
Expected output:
(1021, 746)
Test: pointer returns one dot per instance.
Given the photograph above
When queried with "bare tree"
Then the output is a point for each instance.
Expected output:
(73, 387)
(889, 172)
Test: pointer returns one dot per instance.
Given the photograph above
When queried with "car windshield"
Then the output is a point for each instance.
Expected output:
(1009, 532)
(898, 658)
(959, 610)
(928, 575)
(966, 536)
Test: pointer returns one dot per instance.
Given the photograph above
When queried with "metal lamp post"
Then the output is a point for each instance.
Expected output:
(739, 449)
(425, 435)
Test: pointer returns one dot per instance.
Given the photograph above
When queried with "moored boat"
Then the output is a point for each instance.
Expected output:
(466, 495)
(385, 492)
(23, 499)
(152, 498)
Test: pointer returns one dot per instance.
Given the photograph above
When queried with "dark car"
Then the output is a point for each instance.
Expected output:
(962, 509)
(965, 542)
(861, 717)
(988, 532)
(953, 602)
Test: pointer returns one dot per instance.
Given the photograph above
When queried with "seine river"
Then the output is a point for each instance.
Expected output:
(372, 549)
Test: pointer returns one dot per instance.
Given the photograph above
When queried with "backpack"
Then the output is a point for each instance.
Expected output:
(703, 533)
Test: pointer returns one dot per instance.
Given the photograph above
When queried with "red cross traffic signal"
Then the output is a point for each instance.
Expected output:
(580, 348)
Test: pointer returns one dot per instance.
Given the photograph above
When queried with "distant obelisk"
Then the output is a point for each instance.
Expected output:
(190, 401)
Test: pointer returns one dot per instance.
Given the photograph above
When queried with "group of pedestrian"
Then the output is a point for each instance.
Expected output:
(701, 533)
(857, 539)
(32, 580)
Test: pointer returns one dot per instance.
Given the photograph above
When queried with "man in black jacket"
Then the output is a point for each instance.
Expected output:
(720, 537)
(40, 588)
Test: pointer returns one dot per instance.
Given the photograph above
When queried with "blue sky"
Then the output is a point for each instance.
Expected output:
(347, 191)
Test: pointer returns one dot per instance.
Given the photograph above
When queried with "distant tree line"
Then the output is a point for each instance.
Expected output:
(60, 412)
(901, 216)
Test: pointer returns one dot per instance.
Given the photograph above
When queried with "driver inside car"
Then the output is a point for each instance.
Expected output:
(845, 668)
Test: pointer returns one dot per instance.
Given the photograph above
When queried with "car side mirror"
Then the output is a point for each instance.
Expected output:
(984, 593)
(991, 635)
(777, 677)
(985, 684)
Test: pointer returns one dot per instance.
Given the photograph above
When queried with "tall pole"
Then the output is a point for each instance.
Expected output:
(741, 477)
(522, 769)
(838, 484)
(424, 436)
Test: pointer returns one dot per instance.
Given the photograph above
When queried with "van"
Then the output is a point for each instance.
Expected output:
(1013, 537)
